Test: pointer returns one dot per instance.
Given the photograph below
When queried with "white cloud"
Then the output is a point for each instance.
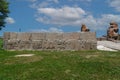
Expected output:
(44, 3)
(51, 30)
(61, 16)
(81, 0)
(115, 4)
(105, 19)
(10, 20)
(55, 1)
(65, 12)
(72, 16)
(32, 0)
(75, 16)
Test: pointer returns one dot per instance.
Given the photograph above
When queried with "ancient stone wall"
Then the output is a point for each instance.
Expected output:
(50, 41)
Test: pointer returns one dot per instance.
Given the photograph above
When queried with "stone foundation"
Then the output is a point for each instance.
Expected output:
(50, 41)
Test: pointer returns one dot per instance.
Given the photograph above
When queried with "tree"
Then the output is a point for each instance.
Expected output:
(4, 10)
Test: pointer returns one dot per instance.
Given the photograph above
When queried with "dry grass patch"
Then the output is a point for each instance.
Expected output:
(22, 60)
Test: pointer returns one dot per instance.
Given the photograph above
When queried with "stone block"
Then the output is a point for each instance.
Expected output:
(69, 45)
(10, 35)
(68, 36)
(90, 36)
(12, 45)
(38, 36)
(59, 44)
(24, 36)
(54, 36)
(48, 44)
(37, 45)
(6, 36)
(24, 45)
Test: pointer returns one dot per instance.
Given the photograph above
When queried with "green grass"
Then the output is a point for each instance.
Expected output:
(60, 65)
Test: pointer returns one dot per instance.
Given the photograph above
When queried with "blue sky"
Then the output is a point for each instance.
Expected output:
(61, 15)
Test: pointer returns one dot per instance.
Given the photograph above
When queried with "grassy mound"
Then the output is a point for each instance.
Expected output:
(62, 65)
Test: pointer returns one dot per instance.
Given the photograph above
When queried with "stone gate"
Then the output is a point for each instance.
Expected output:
(50, 41)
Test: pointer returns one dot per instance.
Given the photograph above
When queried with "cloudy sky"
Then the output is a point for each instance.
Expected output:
(61, 15)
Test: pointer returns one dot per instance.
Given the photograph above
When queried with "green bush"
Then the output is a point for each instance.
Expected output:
(1, 43)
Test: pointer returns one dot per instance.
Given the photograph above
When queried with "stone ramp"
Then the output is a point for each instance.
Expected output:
(110, 44)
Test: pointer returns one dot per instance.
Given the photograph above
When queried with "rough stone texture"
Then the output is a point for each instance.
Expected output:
(38, 36)
(87, 36)
(69, 36)
(50, 41)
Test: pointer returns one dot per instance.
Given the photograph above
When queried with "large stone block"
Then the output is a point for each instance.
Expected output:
(90, 36)
(6, 35)
(10, 35)
(24, 45)
(48, 45)
(24, 36)
(54, 36)
(37, 45)
(59, 44)
(11, 45)
(73, 35)
(38, 36)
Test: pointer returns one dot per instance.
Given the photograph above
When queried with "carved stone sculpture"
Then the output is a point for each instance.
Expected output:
(112, 32)
(84, 28)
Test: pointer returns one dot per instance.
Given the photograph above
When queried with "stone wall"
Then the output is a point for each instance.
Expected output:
(50, 41)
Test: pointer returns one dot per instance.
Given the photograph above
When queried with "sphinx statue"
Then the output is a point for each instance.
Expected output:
(113, 31)
(84, 28)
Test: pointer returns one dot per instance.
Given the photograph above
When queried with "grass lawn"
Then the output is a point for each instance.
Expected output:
(62, 65)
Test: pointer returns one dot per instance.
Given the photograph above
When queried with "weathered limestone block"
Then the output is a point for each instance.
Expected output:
(24, 45)
(36, 45)
(59, 44)
(82, 45)
(73, 35)
(47, 45)
(11, 45)
(93, 45)
(38, 36)
(69, 45)
(77, 45)
(54, 36)
(90, 36)
(24, 36)
(10, 35)
(7, 36)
